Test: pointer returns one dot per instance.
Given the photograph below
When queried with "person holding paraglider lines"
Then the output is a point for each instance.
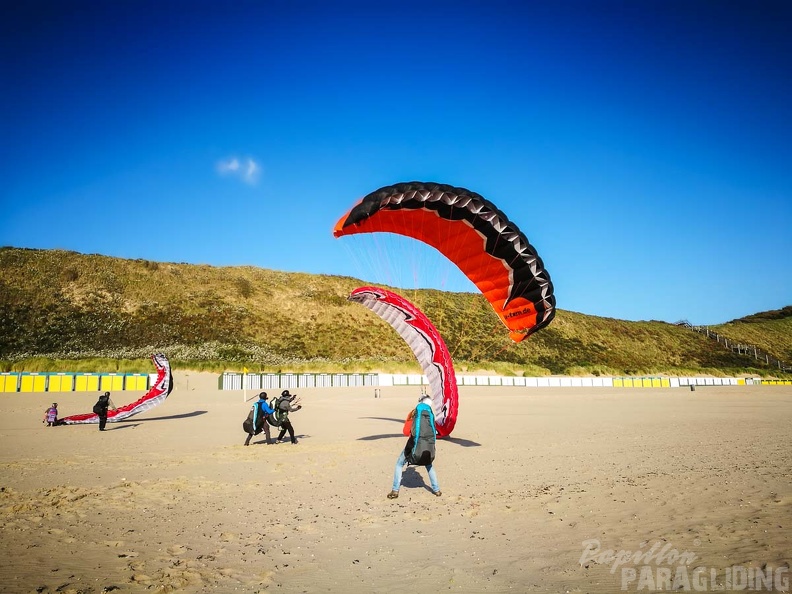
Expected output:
(420, 447)
(101, 407)
(286, 404)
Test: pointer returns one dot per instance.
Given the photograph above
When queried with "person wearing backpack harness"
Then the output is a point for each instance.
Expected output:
(420, 448)
(257, 419)
(100, 409)
(284, 406)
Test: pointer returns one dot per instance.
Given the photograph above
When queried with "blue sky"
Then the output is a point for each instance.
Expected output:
(643, 147)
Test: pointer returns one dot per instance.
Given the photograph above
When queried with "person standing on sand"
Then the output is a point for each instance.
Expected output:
(257, 419)
(284, 407)
(420, 448)
(100, 409)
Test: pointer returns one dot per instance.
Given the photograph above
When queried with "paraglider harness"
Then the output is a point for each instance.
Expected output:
(281, 405)
(101, 406)
(256, 418)
(420, 448)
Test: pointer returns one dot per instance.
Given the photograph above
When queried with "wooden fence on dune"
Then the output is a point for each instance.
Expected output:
(740, 348)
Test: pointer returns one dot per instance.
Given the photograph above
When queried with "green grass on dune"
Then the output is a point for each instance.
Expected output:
(63, 311)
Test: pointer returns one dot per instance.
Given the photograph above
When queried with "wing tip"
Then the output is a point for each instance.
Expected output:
(517, 336)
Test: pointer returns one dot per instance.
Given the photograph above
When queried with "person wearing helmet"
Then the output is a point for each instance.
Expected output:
(285, 406)
(101, 407)
(257, 419)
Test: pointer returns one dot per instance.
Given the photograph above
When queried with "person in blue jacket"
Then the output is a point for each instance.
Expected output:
(257, 419)
(424, 405)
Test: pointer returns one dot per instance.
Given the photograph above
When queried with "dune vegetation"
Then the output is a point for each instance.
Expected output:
(61, 310)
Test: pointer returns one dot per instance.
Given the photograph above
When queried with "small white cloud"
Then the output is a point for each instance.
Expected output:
(251, 171)
(228, 165)
(248, 171)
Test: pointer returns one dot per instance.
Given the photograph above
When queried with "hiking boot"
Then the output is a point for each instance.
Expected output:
(294, 442)
(393, 495)
(437, 493)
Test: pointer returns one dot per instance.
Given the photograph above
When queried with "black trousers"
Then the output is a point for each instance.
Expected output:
(266, 432)
(287, 426)
(102, 422)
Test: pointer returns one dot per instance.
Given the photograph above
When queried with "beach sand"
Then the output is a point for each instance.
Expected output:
(170, 500)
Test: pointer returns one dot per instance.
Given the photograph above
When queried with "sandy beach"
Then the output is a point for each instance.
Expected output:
(538, 485)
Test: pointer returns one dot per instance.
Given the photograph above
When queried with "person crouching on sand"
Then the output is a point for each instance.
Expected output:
(51, 415)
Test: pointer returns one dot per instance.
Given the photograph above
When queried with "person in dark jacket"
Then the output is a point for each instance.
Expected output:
(100, 408)
(257, 419)
(285, 406)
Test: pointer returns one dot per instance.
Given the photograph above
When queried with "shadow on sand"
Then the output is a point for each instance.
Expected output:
(183, 416)
(465, 443)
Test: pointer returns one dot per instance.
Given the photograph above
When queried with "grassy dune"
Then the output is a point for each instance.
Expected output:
(63, 310)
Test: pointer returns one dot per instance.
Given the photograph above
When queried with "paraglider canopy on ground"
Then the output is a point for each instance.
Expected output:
(159, 391)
